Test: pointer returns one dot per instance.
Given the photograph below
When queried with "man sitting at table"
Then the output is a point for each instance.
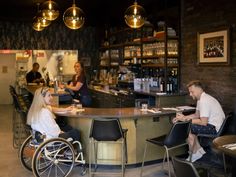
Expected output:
(34, 76)
(207, 119)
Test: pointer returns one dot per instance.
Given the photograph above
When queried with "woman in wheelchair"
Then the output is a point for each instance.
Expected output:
(49, 151)
(41, 118)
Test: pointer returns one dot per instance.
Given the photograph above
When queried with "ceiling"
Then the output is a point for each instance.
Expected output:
(97, 12)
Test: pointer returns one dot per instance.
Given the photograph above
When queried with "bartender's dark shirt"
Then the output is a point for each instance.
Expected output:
(83, 91)
(31, 76)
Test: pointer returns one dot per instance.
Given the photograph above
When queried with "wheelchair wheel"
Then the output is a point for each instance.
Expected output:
(26, 153)
(54, 158)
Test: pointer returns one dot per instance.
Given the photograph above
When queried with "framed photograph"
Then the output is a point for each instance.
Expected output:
(214, 47)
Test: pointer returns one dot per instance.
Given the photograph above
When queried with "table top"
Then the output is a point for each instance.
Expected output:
(221, 144)
(130, 112)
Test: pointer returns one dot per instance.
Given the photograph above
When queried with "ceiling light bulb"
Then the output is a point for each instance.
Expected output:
(135, 16)
(74, 17)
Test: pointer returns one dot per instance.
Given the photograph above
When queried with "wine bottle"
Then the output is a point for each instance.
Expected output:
(106, 41)
(162, 85)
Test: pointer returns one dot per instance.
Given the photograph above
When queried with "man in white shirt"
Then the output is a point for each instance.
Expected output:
(207, 119)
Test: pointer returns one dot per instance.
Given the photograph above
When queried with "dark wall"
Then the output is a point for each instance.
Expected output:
(18, 35)
(200, 16)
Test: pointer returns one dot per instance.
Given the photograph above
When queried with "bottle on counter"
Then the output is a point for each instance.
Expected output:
(169, 86)
(47, 80)
(162, 85)
(55, 86)
(106, 41)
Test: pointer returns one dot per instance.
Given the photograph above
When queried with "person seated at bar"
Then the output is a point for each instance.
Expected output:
(34, 76)
(207, 119)
(78, 85)
(42, 119)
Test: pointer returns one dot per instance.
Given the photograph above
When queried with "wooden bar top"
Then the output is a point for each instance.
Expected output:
(114, 113)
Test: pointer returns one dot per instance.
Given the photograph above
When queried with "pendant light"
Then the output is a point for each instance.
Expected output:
(38, 22)
(43, 20)
(37, 26)
(135, 16)
(74, 17)
(50, 10)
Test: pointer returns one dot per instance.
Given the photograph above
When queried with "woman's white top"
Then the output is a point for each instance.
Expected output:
(209, 107)
(46, 124)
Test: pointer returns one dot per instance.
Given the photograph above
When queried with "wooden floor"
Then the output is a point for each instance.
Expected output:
(10, 165)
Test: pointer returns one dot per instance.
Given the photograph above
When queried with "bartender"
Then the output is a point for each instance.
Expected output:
(34, 76)
(78, 85)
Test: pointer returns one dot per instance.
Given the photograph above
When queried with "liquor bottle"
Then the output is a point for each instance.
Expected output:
(162, 85)
(169, 86)
(106, 41)
(55, 86)
(47, 80)
(174, 80)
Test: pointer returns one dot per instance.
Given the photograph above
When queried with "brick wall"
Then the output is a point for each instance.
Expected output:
(199, 16)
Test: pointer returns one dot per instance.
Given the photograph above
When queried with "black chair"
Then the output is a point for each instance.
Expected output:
(106, 130)
(183, 168)
(206, 141)
(174, 139)
(19, 118)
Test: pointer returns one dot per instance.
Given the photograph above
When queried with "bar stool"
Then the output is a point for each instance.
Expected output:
(174, 139)
(184, 168)
(109, 131)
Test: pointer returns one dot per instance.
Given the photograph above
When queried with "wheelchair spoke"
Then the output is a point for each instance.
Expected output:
(54, 159)
(26, 152)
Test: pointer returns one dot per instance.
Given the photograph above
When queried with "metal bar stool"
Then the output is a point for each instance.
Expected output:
(108, 131)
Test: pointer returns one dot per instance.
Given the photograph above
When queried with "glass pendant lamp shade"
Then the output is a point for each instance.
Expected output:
(135, 16)
(37, 26)
(50, 10)
(44, 22)
(74, 17)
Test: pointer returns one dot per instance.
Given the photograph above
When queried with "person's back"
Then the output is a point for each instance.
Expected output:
(212, 109)
(46, 125)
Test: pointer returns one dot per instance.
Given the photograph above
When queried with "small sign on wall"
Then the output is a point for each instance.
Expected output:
(4, 69)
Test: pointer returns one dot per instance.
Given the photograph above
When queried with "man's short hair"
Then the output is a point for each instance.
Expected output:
(35, 64)
(196, 83)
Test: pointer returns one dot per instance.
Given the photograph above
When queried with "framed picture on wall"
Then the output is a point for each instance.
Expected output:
(214, 47)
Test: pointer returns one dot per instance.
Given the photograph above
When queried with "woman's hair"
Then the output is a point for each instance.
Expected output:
(37, 104)
(82, 67)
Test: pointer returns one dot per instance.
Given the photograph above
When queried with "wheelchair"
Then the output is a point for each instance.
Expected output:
(55, 157)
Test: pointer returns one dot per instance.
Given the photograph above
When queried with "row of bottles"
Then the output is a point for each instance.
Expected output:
(154, 80)
(154, 59)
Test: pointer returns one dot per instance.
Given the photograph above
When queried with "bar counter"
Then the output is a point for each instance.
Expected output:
(140, 124)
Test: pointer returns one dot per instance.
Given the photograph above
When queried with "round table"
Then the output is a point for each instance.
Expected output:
(220, 143)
